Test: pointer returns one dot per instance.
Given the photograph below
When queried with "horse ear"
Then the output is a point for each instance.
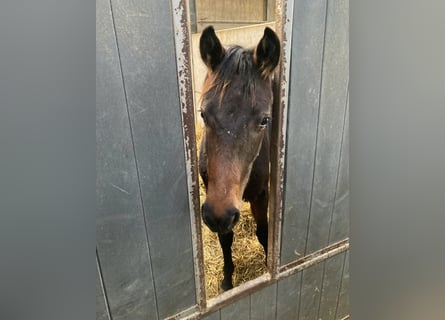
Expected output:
(212, 52)
(267, 53)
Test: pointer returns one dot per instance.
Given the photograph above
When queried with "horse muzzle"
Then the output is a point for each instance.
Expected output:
(220, 223)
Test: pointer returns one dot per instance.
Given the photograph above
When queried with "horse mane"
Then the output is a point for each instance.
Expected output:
(237, 61)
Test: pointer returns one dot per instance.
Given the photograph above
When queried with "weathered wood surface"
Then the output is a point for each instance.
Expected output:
(340, 216)
(263, 303)
(288, 297)
(343, 300)
(101, 301)
(332, 276)
(146, 42)
(144, 235)
(120, 231)
(331, 123)
(310, 292)
(306, 63)
(239, 309)
(228, 13)
(213, 316)
(316, 123)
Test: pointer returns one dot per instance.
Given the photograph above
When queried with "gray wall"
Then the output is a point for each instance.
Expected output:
(300, 296)
(144, 246)
(144, 252)
(316, 180)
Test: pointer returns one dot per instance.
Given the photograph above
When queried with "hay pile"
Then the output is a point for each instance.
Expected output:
(248, 254)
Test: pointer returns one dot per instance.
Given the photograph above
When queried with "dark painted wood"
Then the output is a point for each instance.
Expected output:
(305, 73)
(101, 302)
(263, 303)
(213, 316)
(340, 217)
(120, 232)
(310, 292)
(332, 110)
(288, 297)
(146, 45)
(343, 299)
(239, 309)
(331, 286)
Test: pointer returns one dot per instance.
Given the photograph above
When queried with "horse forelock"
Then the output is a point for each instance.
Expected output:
(237, 63)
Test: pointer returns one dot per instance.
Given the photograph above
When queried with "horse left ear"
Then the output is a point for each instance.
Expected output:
(212, 52)
(267, 53)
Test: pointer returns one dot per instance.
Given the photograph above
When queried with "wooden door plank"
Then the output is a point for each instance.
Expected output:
(331, 286)
(263, 303)
(288, 297)
(239, 309)
(101, 301)
(213, 316)
(120, 231)
(310, 292)
(146, 44)
(304, 92)
(331, 118)
(343, 299)
(340, 216)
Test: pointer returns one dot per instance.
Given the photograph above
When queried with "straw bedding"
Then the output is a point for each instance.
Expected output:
(248, 254)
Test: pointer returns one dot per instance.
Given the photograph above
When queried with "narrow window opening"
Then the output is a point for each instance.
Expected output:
(220, 94)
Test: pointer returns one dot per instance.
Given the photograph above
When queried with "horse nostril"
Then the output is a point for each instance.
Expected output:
(208, 216)
(233, 215)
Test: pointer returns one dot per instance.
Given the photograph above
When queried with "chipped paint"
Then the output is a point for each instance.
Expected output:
(183, 65)
(284, 13)
(314, 258)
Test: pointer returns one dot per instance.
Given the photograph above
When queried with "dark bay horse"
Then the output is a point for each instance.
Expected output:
(234, 158)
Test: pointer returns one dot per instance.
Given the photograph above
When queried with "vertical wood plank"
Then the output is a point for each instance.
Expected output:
(305, 73)
(263, 303)
(288, 297)
(270, 14)
(331, 118)
(101, 302)
(213, 316)
(146, 45)
(331, 285)
(120, 232)
(239, 309)
(192, 14)
(340, 216)
(310, 292)
(228, 10)
(343, 299)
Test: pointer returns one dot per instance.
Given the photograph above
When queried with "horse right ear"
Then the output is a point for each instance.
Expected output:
(212, 52)
(267, 53)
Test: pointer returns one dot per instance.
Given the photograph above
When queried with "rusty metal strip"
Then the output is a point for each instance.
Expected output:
(314, 258)
(283, 14)
(184, 69)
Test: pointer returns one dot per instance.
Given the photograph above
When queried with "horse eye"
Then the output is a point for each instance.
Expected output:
(265, 121)
(203, 116)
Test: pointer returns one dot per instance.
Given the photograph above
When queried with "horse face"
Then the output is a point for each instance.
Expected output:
(236, 108)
